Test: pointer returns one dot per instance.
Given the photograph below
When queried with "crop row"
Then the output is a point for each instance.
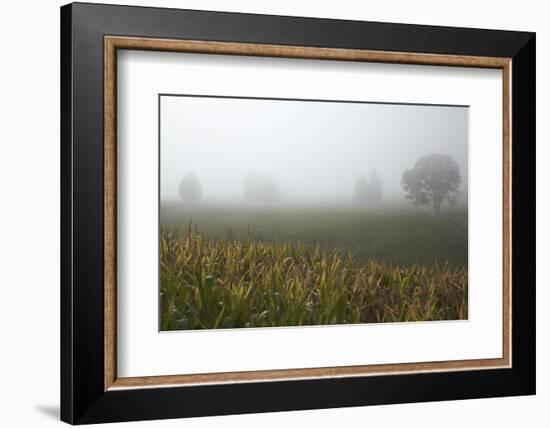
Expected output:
(212, 282)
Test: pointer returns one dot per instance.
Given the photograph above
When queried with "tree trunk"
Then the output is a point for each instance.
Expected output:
(437, 207)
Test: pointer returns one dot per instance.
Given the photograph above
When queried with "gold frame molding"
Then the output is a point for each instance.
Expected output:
(113, 43)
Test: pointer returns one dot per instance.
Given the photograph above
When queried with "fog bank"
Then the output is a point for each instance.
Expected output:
(309, 152)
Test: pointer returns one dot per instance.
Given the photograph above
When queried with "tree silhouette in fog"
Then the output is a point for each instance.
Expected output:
(190, 189)
(434, 179)
(260, 188)
(368, 191)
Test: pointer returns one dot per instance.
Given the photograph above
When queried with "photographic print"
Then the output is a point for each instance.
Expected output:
(291, 212)
(295, 192)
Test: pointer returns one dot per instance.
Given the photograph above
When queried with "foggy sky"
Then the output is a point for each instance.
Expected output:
(314, 150)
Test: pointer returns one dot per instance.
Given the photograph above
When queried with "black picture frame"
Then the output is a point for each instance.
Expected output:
(83, 398)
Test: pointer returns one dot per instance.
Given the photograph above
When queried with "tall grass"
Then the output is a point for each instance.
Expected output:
(212, 282)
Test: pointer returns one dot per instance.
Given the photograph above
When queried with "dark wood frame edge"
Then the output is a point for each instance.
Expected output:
(112, 43)
(83, 396)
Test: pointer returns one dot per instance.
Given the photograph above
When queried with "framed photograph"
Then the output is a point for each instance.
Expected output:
(265, 213)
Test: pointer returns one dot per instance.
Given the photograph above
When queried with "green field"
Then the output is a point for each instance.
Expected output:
(399, 236)
(234, 267)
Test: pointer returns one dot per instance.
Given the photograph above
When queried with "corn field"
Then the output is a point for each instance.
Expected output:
(400, 236)
(211, 283)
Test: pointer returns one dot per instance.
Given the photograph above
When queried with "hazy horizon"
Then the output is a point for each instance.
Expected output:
(314, 152)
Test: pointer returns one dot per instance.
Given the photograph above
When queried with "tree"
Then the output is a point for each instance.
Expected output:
(259, 188)
(368, 192)
(190, 189)
(434, 179)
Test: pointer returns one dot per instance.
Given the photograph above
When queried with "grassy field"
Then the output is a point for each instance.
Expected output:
(397, 236)
(236, 267)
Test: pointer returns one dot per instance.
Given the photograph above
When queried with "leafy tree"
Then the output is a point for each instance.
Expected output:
(259, 188)
(368, 192)
(190, 189)
(434, 179)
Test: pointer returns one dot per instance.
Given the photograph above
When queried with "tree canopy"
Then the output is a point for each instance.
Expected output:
(190, 189)
(434, 179)
(260, 188)
(368, 191)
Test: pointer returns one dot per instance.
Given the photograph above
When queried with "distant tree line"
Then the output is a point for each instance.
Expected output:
(368, 191)
(434, 179)
(258, 188)
(263, 189)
